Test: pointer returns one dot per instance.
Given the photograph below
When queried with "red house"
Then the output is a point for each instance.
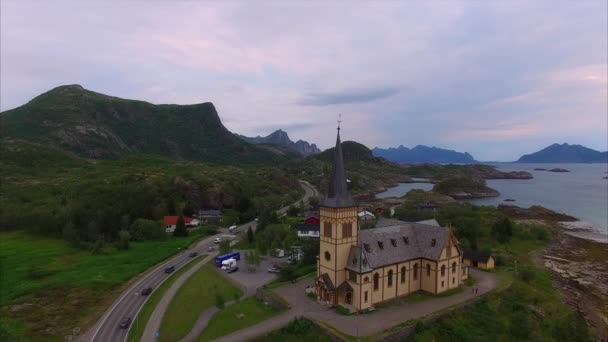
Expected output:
(312, 220)
(171, 221)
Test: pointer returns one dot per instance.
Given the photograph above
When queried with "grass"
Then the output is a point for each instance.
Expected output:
(46, 277)
(297, 330)
(228, 321)
(139, 324)
(196, 295)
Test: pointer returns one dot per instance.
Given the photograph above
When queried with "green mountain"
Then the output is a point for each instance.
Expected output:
(99, 126)
(565, 153)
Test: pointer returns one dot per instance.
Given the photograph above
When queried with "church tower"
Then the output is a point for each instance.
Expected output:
(338, 231)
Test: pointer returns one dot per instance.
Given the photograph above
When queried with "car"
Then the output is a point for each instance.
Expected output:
(169, 269)
(125, 322)
(274, 270)
(217, 240)
(211, 248)
(193, 254)
(146, 291)
(233, 269)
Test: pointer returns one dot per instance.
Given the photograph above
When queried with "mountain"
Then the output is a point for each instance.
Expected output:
(99, 126)
(422, 154)
(280, 138)
(565, 153)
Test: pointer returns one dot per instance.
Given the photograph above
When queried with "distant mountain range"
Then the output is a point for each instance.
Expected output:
(565, 153)
(280, 138)
(95, 125)
(422, 154)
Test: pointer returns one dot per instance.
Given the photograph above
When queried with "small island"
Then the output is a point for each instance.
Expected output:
(557, 169)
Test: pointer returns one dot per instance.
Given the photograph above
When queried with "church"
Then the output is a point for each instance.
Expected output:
(361, 268)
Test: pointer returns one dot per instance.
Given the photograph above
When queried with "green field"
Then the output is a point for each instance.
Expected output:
(43, 276)
(227, 321)
(139, 324)
(297, 330)
(196, 295)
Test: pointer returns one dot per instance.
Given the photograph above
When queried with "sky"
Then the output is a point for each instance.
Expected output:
(497, 79)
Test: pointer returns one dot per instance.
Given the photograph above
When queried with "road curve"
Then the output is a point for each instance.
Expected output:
(130, 302)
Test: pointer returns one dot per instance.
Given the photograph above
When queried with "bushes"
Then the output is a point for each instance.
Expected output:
(342, 310)
(143, 230)
(526, 274)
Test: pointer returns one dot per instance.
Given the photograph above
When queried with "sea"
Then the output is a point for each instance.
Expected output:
(582, 192)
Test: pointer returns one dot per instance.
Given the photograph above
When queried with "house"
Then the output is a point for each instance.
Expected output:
(307, 230)
(484, 261)
(361, 268)
(170, 223)
(365, 216)
(312, 211)
(312, 219)
(427, 206)
(209, 215)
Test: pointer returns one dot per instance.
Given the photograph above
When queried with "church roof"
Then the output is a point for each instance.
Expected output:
(327, 280)
(357, 260)
(338, 195)
(401, 242)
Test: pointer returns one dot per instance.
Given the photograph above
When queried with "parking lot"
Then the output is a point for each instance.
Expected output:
(252, 280)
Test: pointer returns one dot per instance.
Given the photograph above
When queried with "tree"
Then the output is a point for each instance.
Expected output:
(288, 273)
(188, 210)
(180, 227)
(313, 201)
(224, 247)
(171, 207)
(293, 211)
(70, 234)
(123, 239)
(503, 230)
(142, 229)
(250, 235)
(124, 222)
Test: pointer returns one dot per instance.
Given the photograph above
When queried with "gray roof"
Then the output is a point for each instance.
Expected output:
(419, 243)
(357, 260)
(327, 280)
(338, 195)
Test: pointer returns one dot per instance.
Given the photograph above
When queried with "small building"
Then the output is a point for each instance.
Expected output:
(427, 206)
(209, 215)
(365, 216)
(307, 230)
(484, 261)
(170, 223)
(314, 219)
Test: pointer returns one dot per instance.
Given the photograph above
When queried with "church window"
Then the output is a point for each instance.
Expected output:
(394, 242)
(365, 296)
(376, 281)
(380, 245)
(433, 242)
(402, 274)
(327, 229)
(428, 270)
(366, 247)
(442, 270)
(327, 256)
(415, 271)
(352, 276)
(454, 267)
(406, 240)
(442, 283)
(347, 230)
(366, 280)
(390, 278)
(453, 280)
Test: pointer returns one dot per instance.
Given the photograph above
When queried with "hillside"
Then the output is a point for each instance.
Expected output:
(565, 153)
(281, 139)
(422, 154)
(99, 126)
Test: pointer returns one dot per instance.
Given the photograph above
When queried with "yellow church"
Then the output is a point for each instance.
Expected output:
(360, 268)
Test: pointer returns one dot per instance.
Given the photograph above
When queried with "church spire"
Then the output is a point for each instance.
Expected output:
(338, 195)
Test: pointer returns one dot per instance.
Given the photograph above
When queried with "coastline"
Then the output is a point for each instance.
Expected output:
(583, 230)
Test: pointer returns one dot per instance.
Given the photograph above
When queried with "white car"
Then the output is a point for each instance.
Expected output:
(217, 240)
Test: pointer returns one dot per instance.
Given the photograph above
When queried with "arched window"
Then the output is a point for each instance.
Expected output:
(376, 281)
(454, 267)
(416, 271)
(366, 280)
(327, 256)
(390, 278)
(402, 274)
(442, 270)
(428, 270)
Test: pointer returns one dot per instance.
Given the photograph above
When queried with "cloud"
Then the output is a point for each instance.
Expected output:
(344, 97)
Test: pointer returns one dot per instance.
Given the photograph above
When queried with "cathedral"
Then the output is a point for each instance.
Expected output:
(361, 268)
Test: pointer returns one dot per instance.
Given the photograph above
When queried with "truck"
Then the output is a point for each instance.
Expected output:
(228, 264)
(232, 255)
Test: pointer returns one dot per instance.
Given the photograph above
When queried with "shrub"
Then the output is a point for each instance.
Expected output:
(219, 301)
(342, 310)
(527, 274)
(539, 233)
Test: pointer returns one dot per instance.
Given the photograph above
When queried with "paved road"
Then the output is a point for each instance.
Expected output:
(130, 302)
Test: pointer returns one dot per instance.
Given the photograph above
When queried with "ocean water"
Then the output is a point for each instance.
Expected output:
(582, 192)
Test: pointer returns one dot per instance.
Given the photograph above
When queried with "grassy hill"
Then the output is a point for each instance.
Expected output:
(99, 126)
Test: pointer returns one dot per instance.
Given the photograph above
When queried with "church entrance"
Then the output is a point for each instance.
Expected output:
(349, 298)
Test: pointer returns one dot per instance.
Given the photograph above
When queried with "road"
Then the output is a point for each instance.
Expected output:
(130, 302)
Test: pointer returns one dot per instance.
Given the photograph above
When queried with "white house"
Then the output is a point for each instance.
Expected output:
(365, 215)
(308, 230)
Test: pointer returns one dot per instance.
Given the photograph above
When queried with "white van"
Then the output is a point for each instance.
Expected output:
(233, 229)
(228, 264)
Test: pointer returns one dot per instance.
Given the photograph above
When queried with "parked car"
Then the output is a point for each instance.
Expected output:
(146, 291)
(124, 324)
(169, 269)
(274, 270)
(217, 240)
(193, 254)
(233, 269)
(211, 248)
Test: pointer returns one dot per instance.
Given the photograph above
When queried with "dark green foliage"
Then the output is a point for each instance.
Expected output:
(293, 210)
(313, 201)
(188, 210)
(219, 301)
(288, 273)
(526, 274)
(95, 125)
(180, 227)
(458, 184)
(224, 247)
(171, 207)
(503, 230)
(275, 236)
(123, 240)
(142, 229)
